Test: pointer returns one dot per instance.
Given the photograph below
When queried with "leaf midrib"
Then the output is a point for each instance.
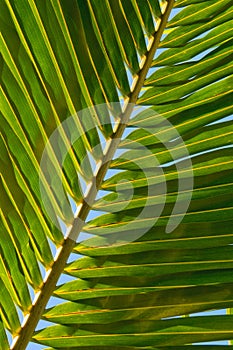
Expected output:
(25, 334)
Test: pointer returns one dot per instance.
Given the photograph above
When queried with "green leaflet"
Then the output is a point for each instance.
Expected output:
(164, 94)
(156, 265)
(125, 39)
(184, 72)
(218, 34)
(214, 22)
(105, 33)
(155, 8)
(155, 333)
(3, 338)
(79, 290)
(194, 13)
(144, 305)
(8, 312)
(187, 236)
(135, 26)
(143, 9)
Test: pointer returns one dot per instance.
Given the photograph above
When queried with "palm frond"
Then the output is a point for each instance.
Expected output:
(147, 87)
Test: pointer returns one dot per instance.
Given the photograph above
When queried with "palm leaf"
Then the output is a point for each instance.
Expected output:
(173, 61)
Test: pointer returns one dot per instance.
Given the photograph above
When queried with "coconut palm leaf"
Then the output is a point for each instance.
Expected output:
(116, 125)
